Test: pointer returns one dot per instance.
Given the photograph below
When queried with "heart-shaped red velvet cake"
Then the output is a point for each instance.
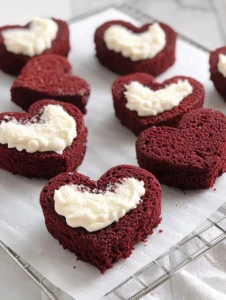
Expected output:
(218, 70)
(170, 117)
(48, 77)
(191, 156)
(119, 61)
(12, 63)
(106, 246)
(45, 164)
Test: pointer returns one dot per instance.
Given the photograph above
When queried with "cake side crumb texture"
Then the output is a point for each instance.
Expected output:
(190, 157)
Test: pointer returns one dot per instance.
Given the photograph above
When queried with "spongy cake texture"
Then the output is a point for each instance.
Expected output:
(104, 247)
(190, 157)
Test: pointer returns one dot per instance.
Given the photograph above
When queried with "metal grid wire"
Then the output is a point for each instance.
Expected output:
(208, 235)
(40, 280)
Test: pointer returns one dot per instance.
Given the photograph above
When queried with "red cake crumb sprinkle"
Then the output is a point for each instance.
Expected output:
(122, 65)
(172, 117)
(12, 63)
(160, 230)
(45, 164)
(104, 247)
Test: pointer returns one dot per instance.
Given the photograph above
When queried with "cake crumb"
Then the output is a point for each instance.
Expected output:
(74, 267)
(160, 230)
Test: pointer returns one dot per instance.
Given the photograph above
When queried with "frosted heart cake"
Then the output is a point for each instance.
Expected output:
(101, 221)
(48, 140)
(18, 44)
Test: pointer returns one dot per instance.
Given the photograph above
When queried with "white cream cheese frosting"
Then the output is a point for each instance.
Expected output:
(136, 46)
(83, 207)
(33, 40)
(54, 131)
(221, 65)
(147, 102)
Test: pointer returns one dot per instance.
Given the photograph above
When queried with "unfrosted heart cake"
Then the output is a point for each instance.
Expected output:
(49, 77)
(191, 156)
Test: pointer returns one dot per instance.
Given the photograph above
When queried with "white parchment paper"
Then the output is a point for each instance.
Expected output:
(21, 222)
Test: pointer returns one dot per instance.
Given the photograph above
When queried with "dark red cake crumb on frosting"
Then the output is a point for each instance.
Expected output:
(48, 77)
(12, 63)
(171, 118)
(191, 156)
(218, 79)
(45, 164)
(104, 247)
(123, 65)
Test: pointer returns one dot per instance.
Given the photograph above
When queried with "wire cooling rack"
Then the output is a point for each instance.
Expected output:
(208, 235)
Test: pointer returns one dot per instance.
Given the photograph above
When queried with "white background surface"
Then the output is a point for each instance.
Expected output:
(109, 144)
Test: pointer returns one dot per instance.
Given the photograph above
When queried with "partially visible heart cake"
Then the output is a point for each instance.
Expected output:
(191, 156)
(18, 44)
(46, 141)
(218, 70)
(140, 102)
(101, 222)
(49, 77)
(125, 48)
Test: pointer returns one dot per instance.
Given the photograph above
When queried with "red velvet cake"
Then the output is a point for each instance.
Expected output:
(171, 117)
(120, 64)
(44, 164)
(191, 156)
(12, 63)
(48, 77)
(218, 78)
(104, 247)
